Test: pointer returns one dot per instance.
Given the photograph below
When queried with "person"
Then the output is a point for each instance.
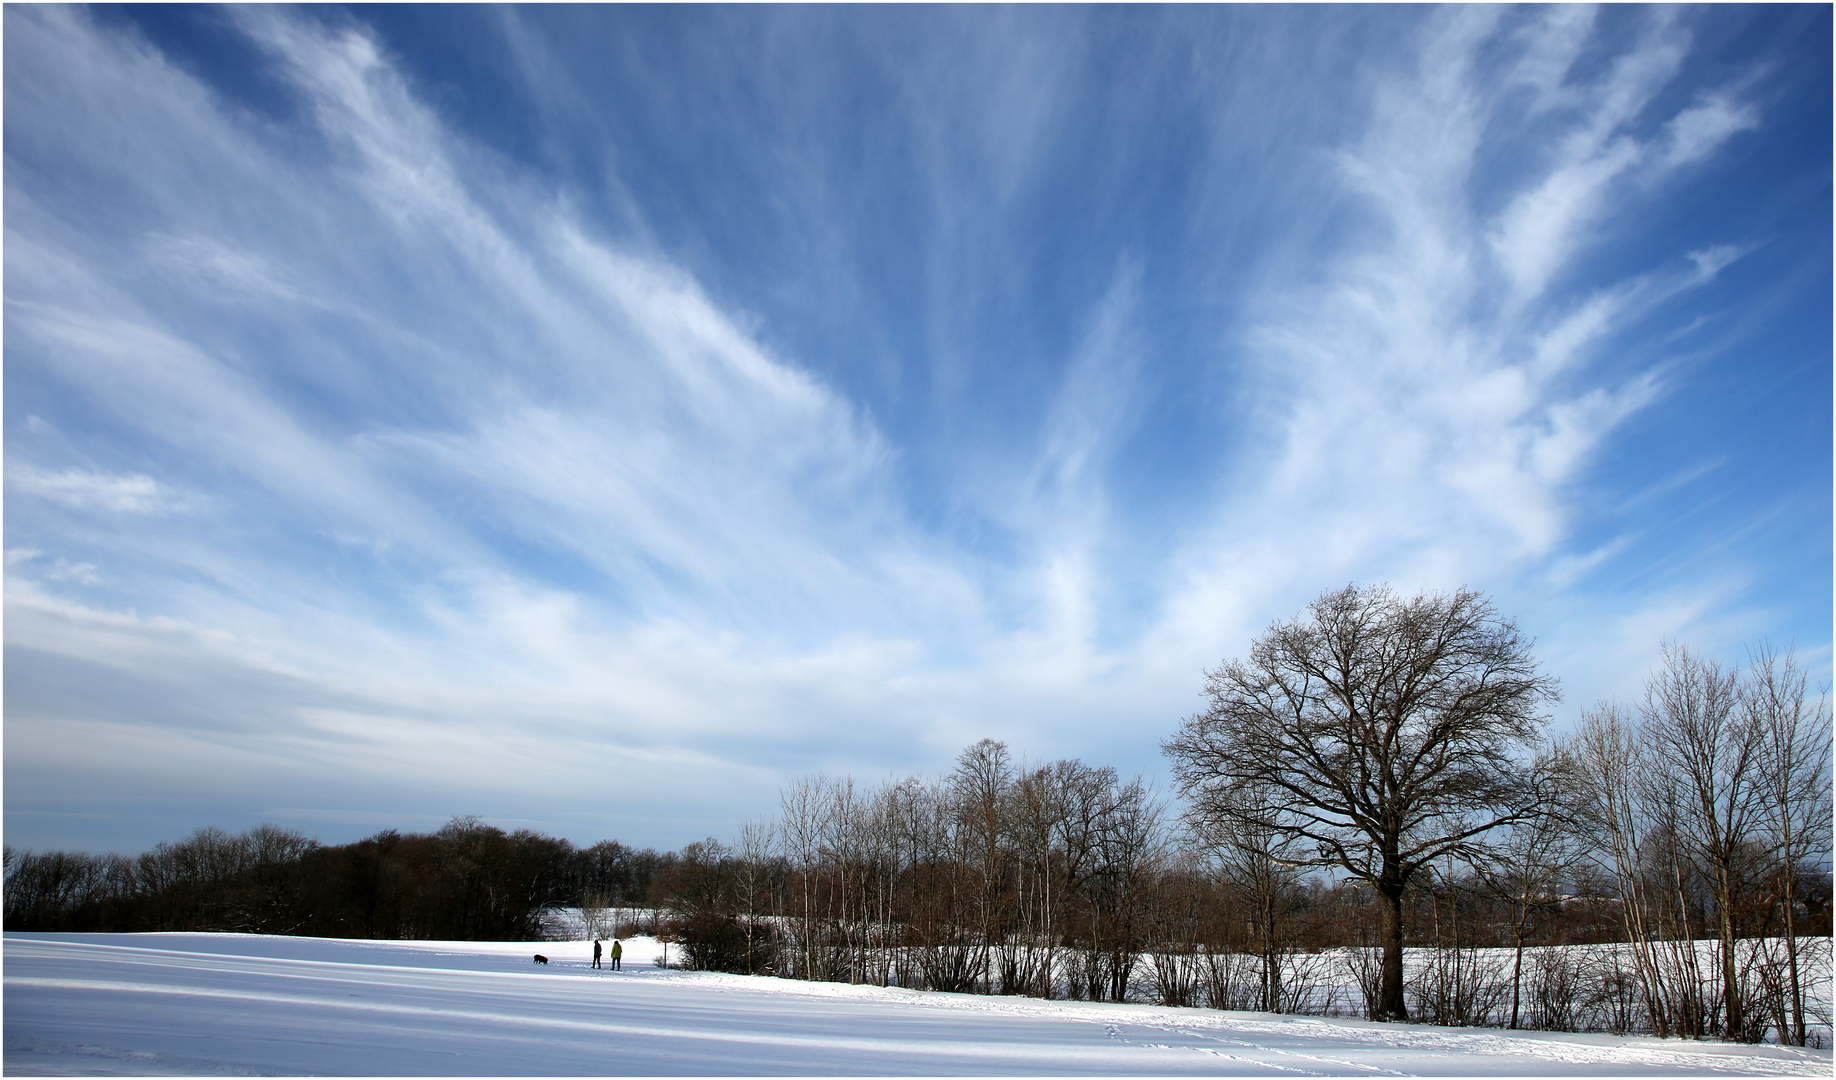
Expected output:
(618, 950)
(595, 952)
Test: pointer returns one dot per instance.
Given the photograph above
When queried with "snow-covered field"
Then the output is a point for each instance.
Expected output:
(242, 1005)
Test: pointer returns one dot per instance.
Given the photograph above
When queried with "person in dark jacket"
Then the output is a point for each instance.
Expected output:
(595, 952)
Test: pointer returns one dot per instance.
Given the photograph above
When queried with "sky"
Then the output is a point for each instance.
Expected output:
(594, 418)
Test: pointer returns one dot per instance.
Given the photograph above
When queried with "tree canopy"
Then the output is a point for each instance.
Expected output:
(1385, 732)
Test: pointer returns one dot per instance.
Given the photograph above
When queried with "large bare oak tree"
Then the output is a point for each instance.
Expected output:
(1382, 733)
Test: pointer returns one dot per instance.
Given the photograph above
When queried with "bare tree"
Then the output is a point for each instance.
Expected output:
(842, 849)
(801, 834)
(754, 850)
(1636, 809)
(1533, 857)
(982, 783)
(1710, 753)
(1128, 850)
(1704, 812)
(1035, 811)
(1058, 815)
(945, 947)
(1388, 732)
(1795, 738)
(1611, 763)
(1257, 866)
(595, 914)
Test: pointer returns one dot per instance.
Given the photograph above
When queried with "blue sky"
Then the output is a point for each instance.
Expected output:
(593, 418)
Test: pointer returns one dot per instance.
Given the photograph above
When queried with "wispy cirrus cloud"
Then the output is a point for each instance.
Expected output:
(592, 510)
(86, 489)
(1431, 399)
(381, 463)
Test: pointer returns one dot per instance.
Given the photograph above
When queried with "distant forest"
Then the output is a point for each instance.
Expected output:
(1373, 776)
(467, 882)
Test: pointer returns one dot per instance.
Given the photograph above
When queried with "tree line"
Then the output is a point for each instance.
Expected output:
(466, 881)
(1374, 776)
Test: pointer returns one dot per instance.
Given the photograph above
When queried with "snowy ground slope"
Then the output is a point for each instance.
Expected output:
(232, 1004)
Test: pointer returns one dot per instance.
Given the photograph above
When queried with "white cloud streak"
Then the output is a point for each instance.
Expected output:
(1431, 400)
(85, 489)
(576, 521)
(731, 506)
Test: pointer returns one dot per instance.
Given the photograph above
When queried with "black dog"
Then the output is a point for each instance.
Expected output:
(540, 959)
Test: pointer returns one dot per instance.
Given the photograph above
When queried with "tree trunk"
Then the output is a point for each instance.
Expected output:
(1733, 1005)
(1390, 1005)
(1271, 949)
(1791, 952)
(1517, 979)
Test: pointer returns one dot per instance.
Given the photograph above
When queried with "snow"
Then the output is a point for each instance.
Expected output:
(228, 1004)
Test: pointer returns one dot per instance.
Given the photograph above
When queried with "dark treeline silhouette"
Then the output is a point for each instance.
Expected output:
(468, 881)
(1373, 778)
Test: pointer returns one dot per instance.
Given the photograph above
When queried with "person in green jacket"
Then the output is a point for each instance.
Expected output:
(618, 950)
